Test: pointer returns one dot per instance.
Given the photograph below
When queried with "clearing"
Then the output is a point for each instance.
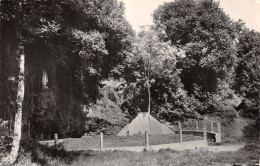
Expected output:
(111, 141)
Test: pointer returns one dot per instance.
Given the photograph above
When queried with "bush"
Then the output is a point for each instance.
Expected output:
(249, 109)
(25, 159)
(251, 132)
(227, 113)
(5, 144)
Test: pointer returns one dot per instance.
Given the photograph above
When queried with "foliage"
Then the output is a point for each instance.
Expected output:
(248, 72)
(206, 35)
(151, 64)
(249, 109)
(169, 99)
(84, 41)
(251, 131)
(194, 61)
(24, 158)
(218, 55)
(5, 144)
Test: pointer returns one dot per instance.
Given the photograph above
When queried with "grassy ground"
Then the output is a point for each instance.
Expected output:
(233, 135)
(111, 141)
(166, 157)
(198, 157)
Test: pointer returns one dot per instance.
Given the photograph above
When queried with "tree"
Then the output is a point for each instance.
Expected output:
(18, 115)
(77, 38)
(80, 36)
(10, 17)
(160, 91)
(248, 72)
(153, 58)
(208, 37)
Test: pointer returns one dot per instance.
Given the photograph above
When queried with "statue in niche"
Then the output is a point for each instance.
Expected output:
(44, 79)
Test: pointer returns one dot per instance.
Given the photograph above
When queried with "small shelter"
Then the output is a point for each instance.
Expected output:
(145, 122)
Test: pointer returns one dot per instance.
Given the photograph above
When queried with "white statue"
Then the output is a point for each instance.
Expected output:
(44, 79)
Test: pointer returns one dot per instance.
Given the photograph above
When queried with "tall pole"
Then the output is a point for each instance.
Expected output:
(149, 95)
(148, 87)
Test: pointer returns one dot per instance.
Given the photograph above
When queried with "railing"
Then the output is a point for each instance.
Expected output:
(207, 134)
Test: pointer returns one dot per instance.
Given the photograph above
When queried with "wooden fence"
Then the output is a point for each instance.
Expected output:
(206, 135)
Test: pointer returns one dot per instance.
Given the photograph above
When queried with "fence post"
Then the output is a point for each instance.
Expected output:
(219, 127)
(180, 131)
(211, 126)
(205, 132)
(101, 140)
(197, 125)
(146, 138)
(218, 135)
(55, 140)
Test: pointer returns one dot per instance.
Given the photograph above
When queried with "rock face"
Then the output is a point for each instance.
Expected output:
(40, 101)
(106, 115)
(47, 99)
(36, 60)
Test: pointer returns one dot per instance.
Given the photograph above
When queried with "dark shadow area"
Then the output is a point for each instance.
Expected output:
(204, 78)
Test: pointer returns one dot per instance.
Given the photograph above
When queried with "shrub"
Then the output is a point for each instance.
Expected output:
(25, 159)
(251, 132)
(249, 109)
(5, 143)
(227, 113)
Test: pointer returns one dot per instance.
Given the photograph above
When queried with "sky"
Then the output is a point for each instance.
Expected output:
(138, 12)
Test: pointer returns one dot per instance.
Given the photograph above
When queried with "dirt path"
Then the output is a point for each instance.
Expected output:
(225, 148)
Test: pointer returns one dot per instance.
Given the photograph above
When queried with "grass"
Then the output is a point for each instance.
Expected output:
(25, 159)
(165, 157)
(50, 156)
(111, 141)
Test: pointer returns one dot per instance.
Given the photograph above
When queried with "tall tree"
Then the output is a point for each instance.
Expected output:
(87, 40)
(18, 115)
(83, 40)
(10, 24)
(208, 37)
(247, 76)
(153, 58)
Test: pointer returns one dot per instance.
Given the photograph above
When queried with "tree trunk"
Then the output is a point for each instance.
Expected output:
(18, 116)
(149, 98)
(148, 88)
